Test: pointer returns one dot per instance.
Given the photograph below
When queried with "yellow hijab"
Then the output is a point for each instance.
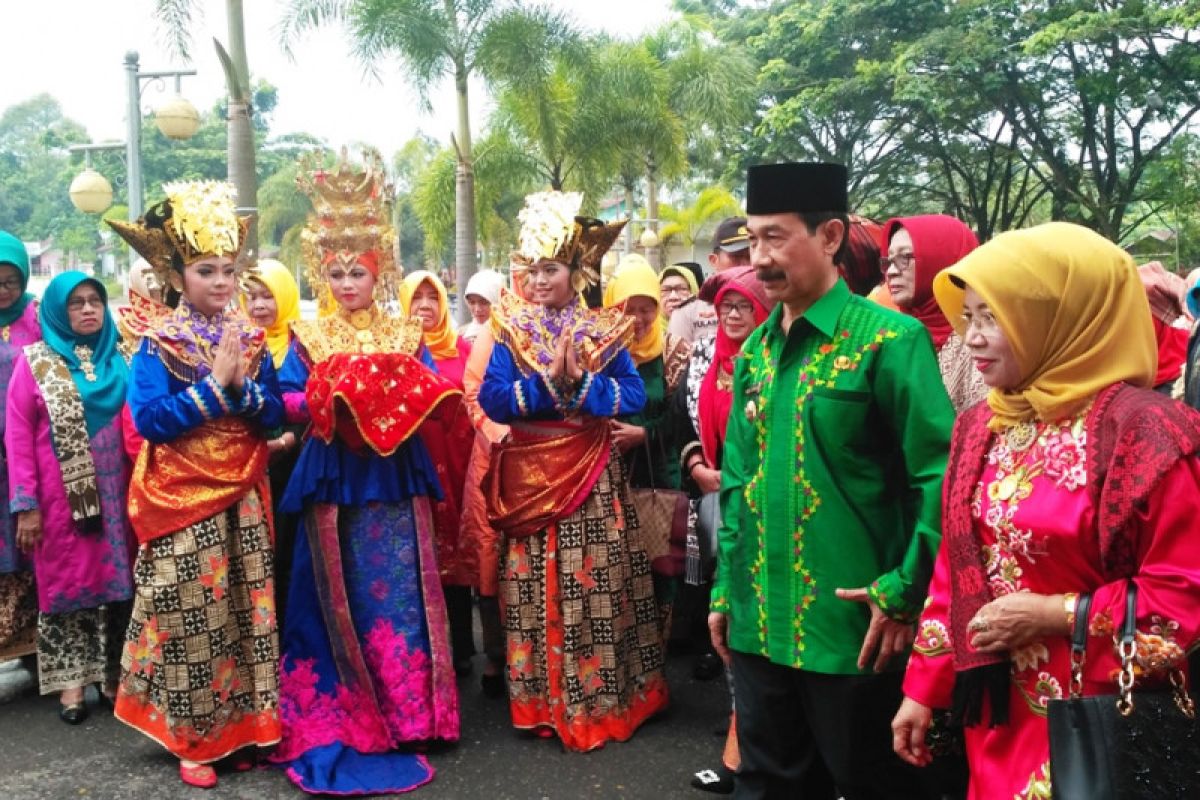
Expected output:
(636, 278)
(442, 340)
(1072, 306)
(282, 286)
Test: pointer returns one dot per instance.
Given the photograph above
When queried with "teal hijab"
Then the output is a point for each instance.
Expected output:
(12, 251)
(103, 397)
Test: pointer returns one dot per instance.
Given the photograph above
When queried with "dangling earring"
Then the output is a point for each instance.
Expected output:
(579, 281)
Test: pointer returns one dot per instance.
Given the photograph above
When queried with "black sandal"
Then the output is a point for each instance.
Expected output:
(73, 714)
(716, 781)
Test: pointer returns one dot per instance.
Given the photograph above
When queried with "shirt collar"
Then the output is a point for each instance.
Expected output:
(823, 314)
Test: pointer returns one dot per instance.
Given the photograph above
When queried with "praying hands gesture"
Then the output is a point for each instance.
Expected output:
(229, 369)
(566, 363)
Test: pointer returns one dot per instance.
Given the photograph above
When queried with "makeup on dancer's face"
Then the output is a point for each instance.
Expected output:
(209, 284)
(549, 283)
(351, 283)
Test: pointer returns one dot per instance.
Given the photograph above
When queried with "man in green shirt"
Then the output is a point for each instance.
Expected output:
(831, 504)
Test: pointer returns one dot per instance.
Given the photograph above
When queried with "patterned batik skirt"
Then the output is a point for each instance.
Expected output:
(76, 648)
(585, 650)
(18, 615)
(199, 673)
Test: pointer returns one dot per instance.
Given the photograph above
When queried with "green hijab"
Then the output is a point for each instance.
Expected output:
(12, 251)
(103, 397)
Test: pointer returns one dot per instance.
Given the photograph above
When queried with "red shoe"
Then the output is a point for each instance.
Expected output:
(202, 776)
(244, 761)
(544, 733)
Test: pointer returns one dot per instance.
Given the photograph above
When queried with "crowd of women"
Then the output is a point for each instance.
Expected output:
(266, 537)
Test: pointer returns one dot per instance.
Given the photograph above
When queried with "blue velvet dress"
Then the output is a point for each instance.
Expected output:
(366, 665)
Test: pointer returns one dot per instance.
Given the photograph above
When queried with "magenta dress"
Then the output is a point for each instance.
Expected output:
(1037, 521)
(74, 569)
(18, 609)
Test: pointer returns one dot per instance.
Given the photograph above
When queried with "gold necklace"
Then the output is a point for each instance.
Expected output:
(84, 354)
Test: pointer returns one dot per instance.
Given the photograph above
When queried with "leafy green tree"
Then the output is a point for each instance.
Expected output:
(438, 38)
(36, 171)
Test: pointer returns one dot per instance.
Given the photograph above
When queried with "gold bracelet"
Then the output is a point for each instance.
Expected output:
(1070, 602)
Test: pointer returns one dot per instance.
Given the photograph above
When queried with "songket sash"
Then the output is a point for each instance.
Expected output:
(196, 476)
(535, 480)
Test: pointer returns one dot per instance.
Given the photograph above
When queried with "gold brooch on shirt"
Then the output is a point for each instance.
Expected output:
(1020, 436)
(84, 354)
(841, 363)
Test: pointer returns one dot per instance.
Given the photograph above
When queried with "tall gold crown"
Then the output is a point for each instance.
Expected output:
(198, 219)
(552, 229)
(351, 220)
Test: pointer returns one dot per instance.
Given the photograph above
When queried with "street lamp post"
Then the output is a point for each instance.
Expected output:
(133, 141)
(90, 191)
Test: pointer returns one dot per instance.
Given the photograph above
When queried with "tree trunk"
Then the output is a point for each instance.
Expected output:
(652, 210)
(629, 211)
(239, 129)
(464, 197)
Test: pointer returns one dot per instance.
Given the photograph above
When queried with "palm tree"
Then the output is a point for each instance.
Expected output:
(175, 16)
(689, 223)
(497, 39)
(505, 174)
(709, 84)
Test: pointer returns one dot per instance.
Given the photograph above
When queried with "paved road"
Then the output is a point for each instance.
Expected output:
(40, 757)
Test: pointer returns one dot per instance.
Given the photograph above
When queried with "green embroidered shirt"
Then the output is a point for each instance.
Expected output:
(832, 478)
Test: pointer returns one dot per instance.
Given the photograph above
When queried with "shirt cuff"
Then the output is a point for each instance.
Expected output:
(886, 591)
(22, 501)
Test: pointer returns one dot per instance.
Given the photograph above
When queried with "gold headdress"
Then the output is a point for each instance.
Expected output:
(351, 221)
(198, 219)
(552, 229)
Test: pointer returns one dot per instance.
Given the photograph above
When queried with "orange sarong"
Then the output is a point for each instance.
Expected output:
(196, 476)
(534, 481)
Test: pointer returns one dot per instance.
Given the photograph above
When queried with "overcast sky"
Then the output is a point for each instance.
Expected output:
(75, 49)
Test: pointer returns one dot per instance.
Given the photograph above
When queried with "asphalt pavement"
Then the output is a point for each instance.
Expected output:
(102, 759)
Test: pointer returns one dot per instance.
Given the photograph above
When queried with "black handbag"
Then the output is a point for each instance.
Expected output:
(708, 521)
(1127, 746)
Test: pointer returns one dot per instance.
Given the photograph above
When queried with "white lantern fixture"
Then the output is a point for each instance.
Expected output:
(91, 192)
(648, 239)
(177, 118)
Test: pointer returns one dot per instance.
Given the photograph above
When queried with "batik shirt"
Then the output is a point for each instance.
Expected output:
(832, 476)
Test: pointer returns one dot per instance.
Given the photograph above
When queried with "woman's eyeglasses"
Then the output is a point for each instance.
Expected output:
(902, 261)
(78, 303)
(983, 322)
(742, 309)
(10, 285)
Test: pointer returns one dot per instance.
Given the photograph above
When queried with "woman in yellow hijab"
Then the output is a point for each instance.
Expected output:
(661, 360)
(1062, 505)
(272, 300)
(424, 297)
(449, 439)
